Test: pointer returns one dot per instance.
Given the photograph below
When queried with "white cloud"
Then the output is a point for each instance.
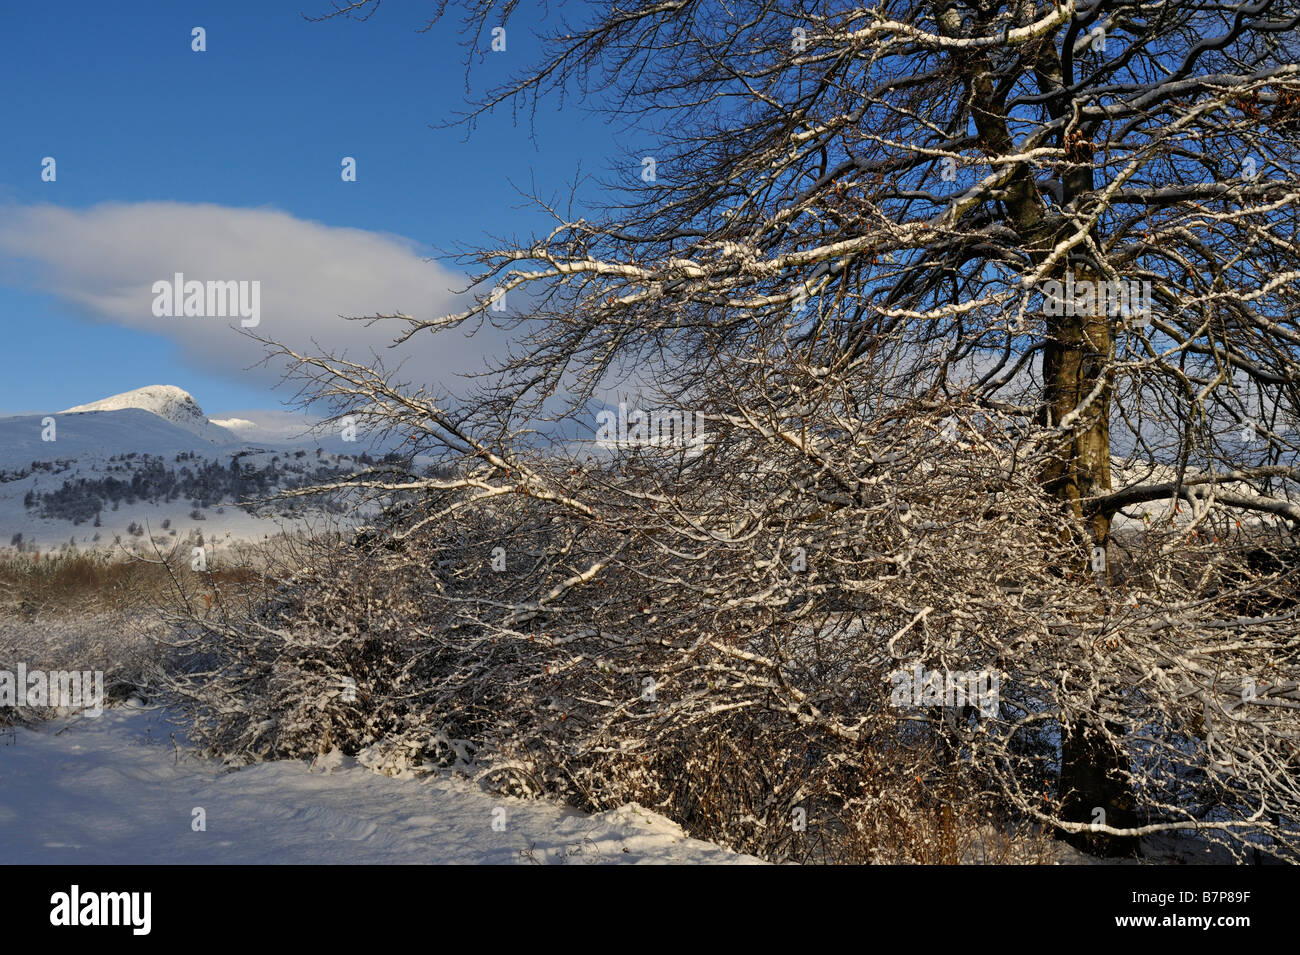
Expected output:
(104, 260)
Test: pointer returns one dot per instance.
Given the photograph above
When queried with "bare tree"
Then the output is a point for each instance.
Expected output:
(990, 311)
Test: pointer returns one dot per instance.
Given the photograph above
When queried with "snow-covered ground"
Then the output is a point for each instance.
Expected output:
(118, 790)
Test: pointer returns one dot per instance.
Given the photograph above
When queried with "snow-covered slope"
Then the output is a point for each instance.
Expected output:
(26, 438)
(112, 790)
(50, 461)
(167, 401)
(149, 462)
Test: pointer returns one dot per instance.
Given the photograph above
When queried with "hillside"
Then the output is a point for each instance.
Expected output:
(149, 462)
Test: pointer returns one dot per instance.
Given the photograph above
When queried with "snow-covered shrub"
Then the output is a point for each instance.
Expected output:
(719, 636)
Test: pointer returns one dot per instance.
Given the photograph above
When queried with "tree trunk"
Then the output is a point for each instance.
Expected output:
(1094, 772)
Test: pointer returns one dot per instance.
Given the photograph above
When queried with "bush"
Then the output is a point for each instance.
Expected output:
(732, 679)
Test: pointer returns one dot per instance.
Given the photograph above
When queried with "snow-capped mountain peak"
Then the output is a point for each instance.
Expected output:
(167, 401)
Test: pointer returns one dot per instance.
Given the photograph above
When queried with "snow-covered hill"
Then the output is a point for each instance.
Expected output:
(168, 402)
(148, 462)
(98, 434)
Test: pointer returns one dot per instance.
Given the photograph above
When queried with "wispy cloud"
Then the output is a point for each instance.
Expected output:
(104, 260)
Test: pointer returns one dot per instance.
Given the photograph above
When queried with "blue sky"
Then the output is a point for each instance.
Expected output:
(227, 163)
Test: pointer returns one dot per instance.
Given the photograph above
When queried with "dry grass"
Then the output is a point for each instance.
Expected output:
(94, 610)
(90, 582)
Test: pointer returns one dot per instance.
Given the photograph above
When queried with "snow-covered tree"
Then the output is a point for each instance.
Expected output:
(989, 312)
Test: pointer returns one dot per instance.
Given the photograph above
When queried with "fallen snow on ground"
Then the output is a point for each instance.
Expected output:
(117, 790)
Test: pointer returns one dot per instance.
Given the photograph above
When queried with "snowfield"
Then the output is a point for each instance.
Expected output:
(118, 790)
